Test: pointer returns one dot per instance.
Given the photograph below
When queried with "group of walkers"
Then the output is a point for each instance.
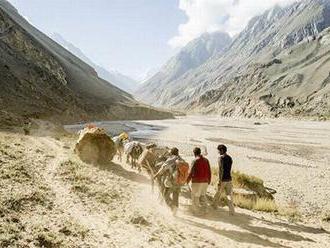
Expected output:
(175, 173)
(172, 173)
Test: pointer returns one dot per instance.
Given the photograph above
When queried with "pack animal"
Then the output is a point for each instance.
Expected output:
(133, 150)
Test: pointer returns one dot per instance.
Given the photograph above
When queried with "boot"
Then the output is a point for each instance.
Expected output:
(174, 211)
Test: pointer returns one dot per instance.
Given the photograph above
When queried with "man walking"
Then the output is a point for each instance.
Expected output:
(200, 175)
(148, 159)
(225, 180)
(168, 171)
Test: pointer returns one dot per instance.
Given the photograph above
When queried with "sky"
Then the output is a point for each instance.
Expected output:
(137, 36)
(229, 16)
(129, 36)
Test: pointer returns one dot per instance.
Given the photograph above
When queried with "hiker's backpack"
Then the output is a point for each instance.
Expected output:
(182, 172)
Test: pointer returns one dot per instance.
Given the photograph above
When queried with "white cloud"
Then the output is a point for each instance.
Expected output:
(218, 15)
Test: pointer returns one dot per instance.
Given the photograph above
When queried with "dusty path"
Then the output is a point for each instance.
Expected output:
(70, 203)
(114, 207)
(290, 156)
(246, 229)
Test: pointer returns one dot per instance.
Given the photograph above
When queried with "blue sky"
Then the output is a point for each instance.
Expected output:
(130, 36)
(135, 36)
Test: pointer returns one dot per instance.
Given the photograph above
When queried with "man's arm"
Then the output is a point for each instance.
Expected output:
(160, 172)
(210, 172)
(191, 171)
(165, 167)
(220, 164)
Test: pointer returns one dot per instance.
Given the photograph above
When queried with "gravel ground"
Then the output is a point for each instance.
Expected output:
(291, 156)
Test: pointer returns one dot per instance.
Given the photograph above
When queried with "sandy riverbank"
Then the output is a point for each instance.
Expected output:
(51, 199)
(292, 157)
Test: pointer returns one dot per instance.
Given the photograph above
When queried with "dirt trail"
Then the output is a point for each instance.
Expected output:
(65, 200)
(290, 156)
(70, 203)
(116, 206)
(243, 230)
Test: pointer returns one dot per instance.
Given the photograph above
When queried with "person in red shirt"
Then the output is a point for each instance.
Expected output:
(200, 176)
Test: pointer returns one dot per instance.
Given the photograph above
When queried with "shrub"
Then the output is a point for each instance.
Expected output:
(265, 205)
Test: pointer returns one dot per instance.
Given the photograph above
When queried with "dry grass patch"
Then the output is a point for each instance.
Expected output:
(292, 213)
(29, 216)
(75, 172)
(243, 202)
(258, 204)
(256, 197)
(241, 180)
(48, 235)
(86, 180)
(265, 205)
(24, 200)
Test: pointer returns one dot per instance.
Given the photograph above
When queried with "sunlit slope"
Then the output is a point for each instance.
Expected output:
(41, 79)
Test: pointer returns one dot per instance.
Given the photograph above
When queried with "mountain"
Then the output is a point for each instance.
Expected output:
(278, 65)
(41, 79)
(121, 81)
(191, 56)
(149, 74)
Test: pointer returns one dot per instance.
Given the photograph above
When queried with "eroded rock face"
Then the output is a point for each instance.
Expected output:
(301, 89)
(33, 83)
(19, 43)
(282, 53)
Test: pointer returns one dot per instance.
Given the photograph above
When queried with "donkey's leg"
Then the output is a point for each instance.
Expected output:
(127, 158)
(120, 155)
(139, 167)
(132, 161)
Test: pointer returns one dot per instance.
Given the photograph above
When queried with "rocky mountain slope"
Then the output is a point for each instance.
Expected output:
(40, 79)
(295, 83)
(116, 78)
(191, 56)
(276, 66)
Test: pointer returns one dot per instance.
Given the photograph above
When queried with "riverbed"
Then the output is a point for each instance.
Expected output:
(291, 156)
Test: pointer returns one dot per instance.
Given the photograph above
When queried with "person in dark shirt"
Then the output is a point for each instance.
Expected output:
(225, 163)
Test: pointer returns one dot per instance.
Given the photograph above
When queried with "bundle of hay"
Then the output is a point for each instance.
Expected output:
(95, 146)
(253, 185)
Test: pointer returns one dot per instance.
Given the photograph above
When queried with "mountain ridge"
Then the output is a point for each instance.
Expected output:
(40, 79)
(191, 56)
(266, 37)
(116, 78)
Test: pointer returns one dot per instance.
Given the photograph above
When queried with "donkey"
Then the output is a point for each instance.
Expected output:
(133, 150)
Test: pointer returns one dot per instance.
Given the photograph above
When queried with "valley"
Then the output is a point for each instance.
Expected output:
(291, 156)
(67, 203)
